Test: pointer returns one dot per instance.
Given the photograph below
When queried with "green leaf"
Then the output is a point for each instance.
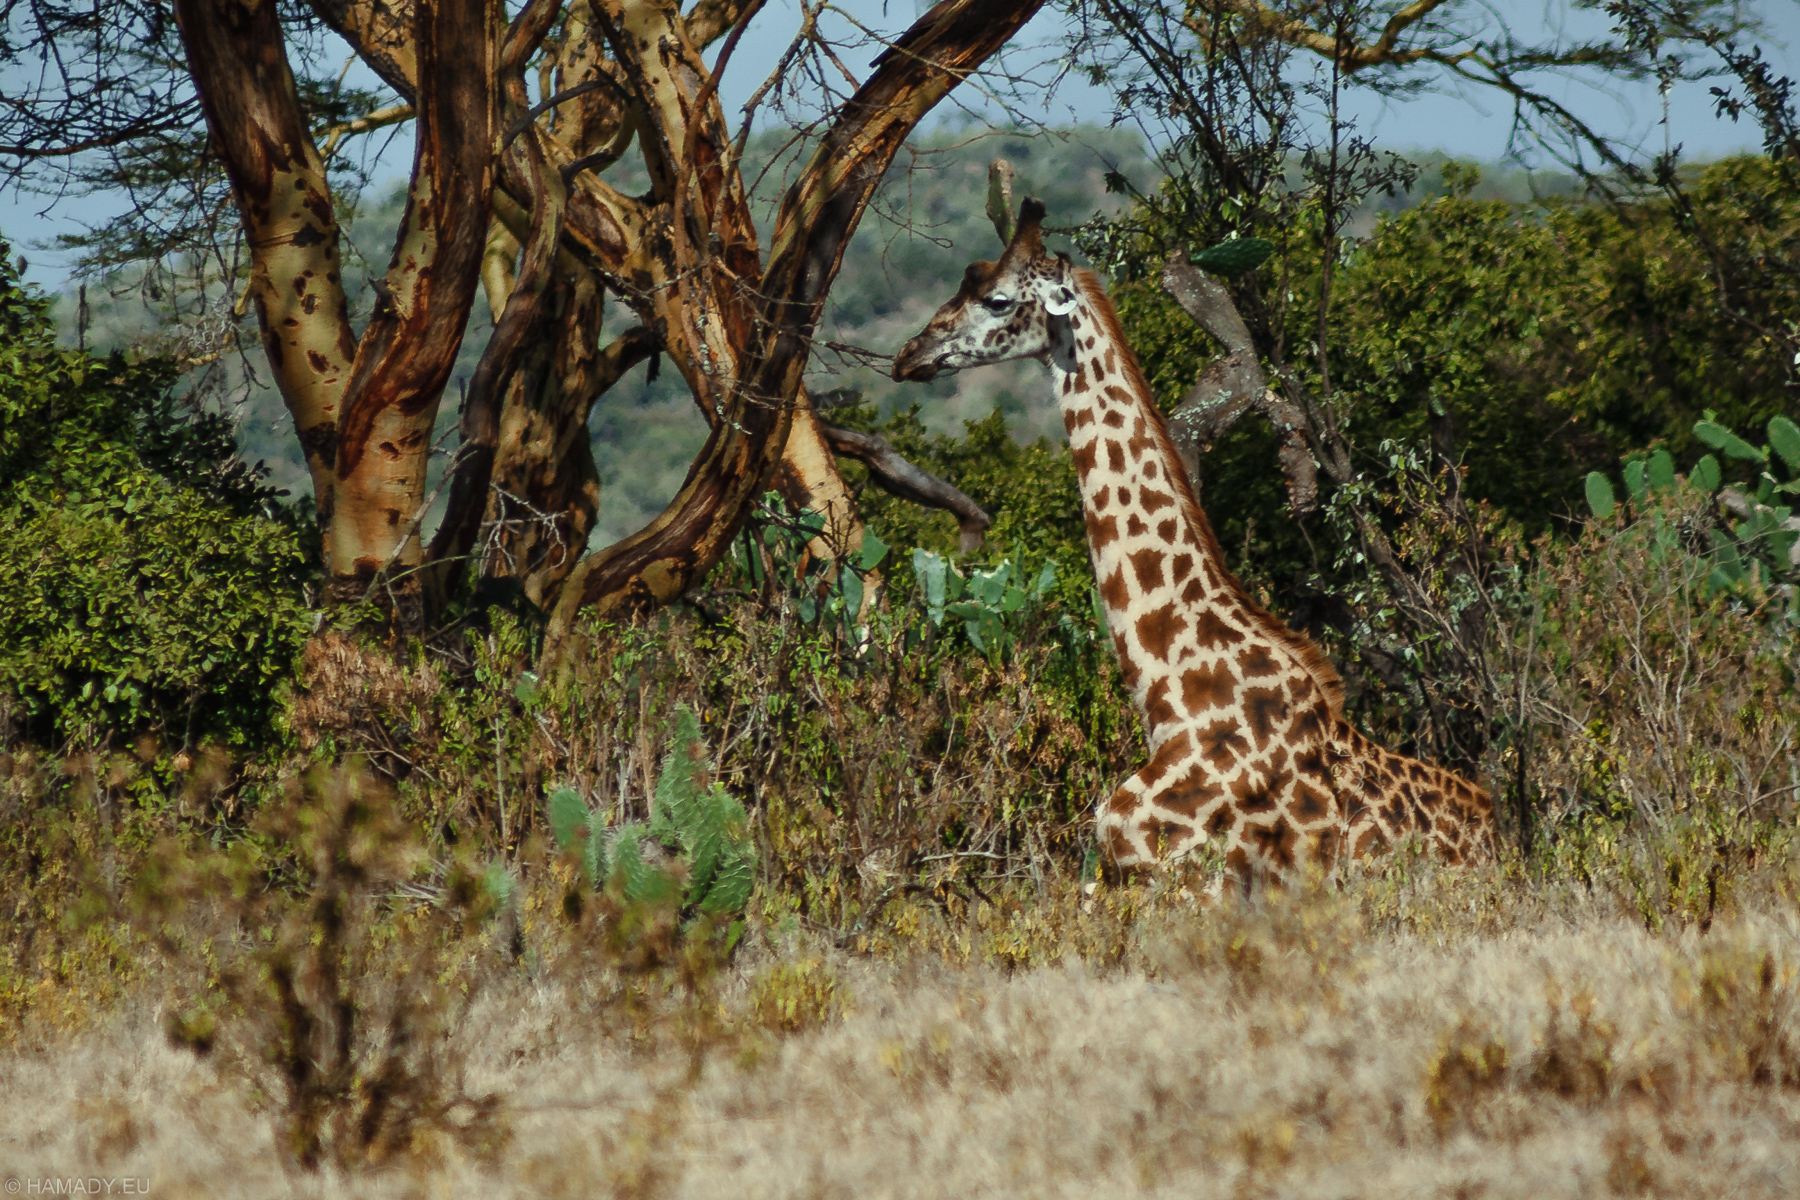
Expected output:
(678, 790)
(637, 880)
(851, 584)
(499, 885)
(1634, 478)
(1599, 495)
(1234, 257)
(1660, 471)
(732, 881)
(873, 550)
(930, 569)
(1706, 474)
(593, 851)
(1727, 442)
(721, 839)
(1784, 436)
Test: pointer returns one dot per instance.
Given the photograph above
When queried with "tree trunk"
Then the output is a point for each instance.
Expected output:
(817, 217)
(364, 407)
(495, 178)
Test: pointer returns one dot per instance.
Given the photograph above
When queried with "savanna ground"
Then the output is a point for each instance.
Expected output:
(1420, 1032)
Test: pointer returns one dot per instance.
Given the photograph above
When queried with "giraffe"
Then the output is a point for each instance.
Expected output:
(1248, 744)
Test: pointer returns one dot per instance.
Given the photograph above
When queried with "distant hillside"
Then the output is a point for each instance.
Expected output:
(925, 226)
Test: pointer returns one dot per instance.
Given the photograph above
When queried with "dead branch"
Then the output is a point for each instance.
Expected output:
(1232, 384)
(898, 477)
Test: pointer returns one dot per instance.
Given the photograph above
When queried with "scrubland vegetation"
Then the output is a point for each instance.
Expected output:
(787, 886)
(397, 944)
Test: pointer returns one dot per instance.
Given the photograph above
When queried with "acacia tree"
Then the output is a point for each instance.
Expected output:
(509, 196)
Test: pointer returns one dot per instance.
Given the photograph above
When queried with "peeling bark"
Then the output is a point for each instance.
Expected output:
(381, 32)
(411, 342)
(808, 479)
(518, 320)
(253, 114)
(817, 217)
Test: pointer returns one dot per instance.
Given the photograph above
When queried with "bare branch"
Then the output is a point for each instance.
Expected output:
(898, 477)
(381, 118)
(1232, 384)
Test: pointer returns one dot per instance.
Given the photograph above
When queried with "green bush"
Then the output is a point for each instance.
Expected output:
(150, 580)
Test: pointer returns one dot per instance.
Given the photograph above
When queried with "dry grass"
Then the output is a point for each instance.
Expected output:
(1529, 1042)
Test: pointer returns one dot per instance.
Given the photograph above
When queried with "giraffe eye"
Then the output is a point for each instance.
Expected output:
(997, 303)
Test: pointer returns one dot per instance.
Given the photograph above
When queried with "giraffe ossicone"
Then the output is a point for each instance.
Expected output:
(1249, 747)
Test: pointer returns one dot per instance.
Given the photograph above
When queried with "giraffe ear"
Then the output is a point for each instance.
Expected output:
(1061, 300)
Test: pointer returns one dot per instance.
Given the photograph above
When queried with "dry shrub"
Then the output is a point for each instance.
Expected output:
(1745, 1005)
(1579, 1055)
(1575, 1053)
(1300, 947)
(300, 970)
(867, 770)
(353, 695)
(1645, 690)
(791, 996)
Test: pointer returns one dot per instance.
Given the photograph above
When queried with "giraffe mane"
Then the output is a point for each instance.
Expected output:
(1307, 651)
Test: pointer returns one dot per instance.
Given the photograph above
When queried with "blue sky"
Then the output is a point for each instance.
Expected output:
(1469, 124)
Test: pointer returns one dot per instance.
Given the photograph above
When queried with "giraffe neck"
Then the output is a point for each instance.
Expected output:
(1174, 607)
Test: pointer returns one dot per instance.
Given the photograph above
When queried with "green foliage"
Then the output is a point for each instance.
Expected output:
(773, 552)
(145, 581)
(1655, 667)
(704, 825)
(992, 605)
(1753, 555)
(1556, 336)
(1030, 491)
(1234, 257)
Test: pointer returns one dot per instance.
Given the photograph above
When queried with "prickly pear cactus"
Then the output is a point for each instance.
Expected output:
(1760, 545)
(705, 825)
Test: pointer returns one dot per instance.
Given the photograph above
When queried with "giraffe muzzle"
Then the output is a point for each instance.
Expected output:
(916, 364)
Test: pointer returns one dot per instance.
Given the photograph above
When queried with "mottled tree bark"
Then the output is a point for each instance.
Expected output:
(510, 196)
(817, 217)
(364, 407)
(408, 348)
(240, 66)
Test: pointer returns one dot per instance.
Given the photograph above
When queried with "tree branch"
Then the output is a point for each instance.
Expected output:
(1232, 384)
(380, 31)
(817, 217)
(506, 347)
(898, 477)
(1350, 57)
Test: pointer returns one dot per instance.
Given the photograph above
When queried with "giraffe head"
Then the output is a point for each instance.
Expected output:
(1015, 308)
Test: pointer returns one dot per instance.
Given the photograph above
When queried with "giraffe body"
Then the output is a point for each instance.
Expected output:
(1249, 747)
